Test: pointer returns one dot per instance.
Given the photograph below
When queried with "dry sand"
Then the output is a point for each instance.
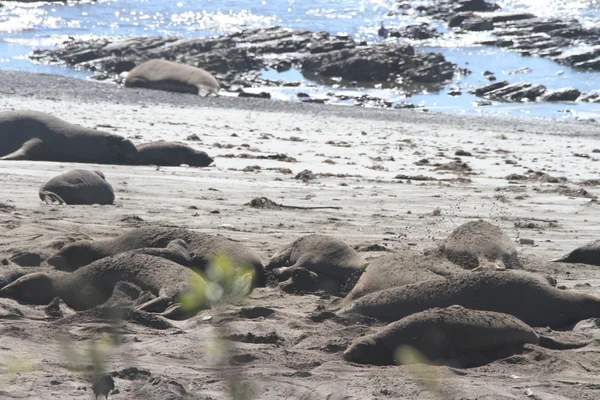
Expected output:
(358, 153)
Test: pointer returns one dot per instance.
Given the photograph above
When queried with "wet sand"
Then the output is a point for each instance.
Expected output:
(361, 159)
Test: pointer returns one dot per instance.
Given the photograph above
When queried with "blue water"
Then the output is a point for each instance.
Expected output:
(26, 26)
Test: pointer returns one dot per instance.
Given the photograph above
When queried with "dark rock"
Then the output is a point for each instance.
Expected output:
(477, 24)
(305, 175)
(562, 95)
(419, 32)
(27, 259)
(261, 95)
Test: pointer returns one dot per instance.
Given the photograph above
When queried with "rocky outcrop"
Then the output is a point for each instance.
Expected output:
(237, 59)
(524, 91)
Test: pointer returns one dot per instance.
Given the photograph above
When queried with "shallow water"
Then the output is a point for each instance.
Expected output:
(24, 27)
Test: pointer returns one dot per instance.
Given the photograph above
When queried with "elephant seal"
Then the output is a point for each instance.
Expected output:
(175, 251)
(586, 254)
(173, 154)
(203, 248)
(173, 77)
(448, 336)
(398, 269)
(33, 135)
(78, 186)
(332, 259)
(479, 243)
(527, 296)
(93, 284)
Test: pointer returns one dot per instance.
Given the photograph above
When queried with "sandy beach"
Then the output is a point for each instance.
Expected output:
(399, 183)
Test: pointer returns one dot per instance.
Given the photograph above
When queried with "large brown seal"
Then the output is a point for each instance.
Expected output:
(334, 263)
(33, 135)
(398, 269)
(447, 336)
(92, 285)
(527, 296)
(78, 186)
(479, 243)
(586, 254)
(173, 77)
(171, 154)
(203, 248)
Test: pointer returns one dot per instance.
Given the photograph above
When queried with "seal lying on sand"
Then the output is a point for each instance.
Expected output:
(175, 251)
(336, 263)
(173, 77)
(93, 285)
(527, 296)
(447, 336)
(586, 254)
(478, 243)
(78, 186)
(400, 269)
(32, 135)
(203, 248)
(171, 154)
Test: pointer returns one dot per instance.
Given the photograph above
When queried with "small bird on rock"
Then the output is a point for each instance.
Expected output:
(383, 31)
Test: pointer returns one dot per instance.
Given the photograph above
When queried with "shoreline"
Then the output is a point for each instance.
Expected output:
(37, 85)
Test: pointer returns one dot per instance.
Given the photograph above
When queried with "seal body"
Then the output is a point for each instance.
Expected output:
(399, 269)
(525, 295)
(203, 249)
(78, 187)
(171, 154)
(586, 254)
(93, 284)
(441, 336)
(32, 135)
(334, 262)
(477, 243)
(173, 77)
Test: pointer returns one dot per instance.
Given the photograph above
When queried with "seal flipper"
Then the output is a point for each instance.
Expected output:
(156, 305)
(28, 151)
(51, 197)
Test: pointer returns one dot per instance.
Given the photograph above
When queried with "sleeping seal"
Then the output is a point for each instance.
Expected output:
(202, 247)
(78, 186)
(173, 77)
(525, 295)
(33, 135)
(171, 154)
(334, 262)
(398, 269)
(92, 285)
(479, 243)
(447, 336)
(586, 254)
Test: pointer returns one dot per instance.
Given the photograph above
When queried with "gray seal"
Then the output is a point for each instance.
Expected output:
(33, 135)
(93, 285)
(479, 243)
(78, 187)
(586, 254)
(171, 154)
(455, 335)
(173, 77)
(527, 296)
(202, 247)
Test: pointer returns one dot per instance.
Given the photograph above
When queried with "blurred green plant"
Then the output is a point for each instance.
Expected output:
(420, 367)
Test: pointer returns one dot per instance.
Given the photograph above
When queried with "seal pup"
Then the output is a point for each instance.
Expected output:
(398, 269)
(202, 247)
(479, 243)
(330, 258)
(93, 285)
(173, 77)
(33, 135)
(527, 296)
(455, 335)
(78, 186)
(172, 154)
(586, 254)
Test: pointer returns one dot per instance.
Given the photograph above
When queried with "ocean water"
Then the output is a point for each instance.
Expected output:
(26, 26)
